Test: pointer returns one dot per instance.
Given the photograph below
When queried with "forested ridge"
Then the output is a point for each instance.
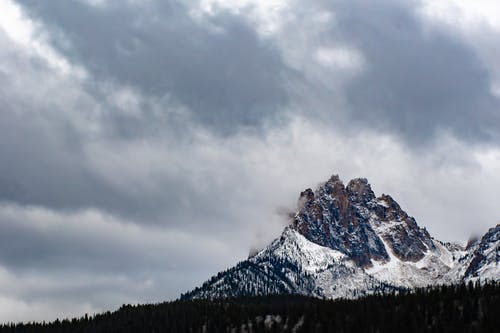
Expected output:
(455, 308)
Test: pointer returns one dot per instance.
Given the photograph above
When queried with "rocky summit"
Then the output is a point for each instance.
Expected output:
(344, 241)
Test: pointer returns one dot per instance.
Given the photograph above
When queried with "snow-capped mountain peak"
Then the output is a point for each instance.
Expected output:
(343, 241)
(485, 257)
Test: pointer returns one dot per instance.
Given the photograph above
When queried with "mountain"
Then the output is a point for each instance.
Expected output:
(344, 242)
(483, 257)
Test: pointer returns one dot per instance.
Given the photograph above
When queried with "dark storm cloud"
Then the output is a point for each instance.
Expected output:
(46, 160)
(219, 68)
(91, 241)
(40, 167)
(419, 78)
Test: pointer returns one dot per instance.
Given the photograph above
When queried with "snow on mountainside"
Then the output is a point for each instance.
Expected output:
(343, 241)
(374, 232)
(292, 264)
(485, 257)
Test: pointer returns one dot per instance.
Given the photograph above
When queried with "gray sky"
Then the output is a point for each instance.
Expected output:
(145, 145)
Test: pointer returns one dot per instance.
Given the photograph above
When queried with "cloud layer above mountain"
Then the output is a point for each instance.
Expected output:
(145, 145)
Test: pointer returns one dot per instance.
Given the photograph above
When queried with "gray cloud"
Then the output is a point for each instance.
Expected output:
(419, 78)
(49, 150)
(90, 258)
(220, 69)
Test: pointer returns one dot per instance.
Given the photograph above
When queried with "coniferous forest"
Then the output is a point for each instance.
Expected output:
(457, 308)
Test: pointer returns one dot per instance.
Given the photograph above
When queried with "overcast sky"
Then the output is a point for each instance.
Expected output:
(146, 145)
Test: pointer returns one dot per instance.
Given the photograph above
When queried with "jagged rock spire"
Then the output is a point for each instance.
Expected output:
(352, 220)
(360, 190)
(486, 256)
(330, 218)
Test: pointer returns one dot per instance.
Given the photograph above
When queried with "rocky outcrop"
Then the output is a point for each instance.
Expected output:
(400, 231)
(352, 220)
(485, 256)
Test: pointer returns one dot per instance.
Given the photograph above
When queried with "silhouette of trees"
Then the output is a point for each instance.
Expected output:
(471, 307)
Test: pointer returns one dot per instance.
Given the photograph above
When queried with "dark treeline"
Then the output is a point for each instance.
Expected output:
(458, 308)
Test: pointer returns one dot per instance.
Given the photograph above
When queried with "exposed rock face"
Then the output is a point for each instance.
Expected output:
(359, 190)
(407, 240)
(352, 220)
(485, 256)
(343, 241)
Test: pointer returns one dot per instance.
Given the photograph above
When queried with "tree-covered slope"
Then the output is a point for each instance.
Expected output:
(455, 308)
